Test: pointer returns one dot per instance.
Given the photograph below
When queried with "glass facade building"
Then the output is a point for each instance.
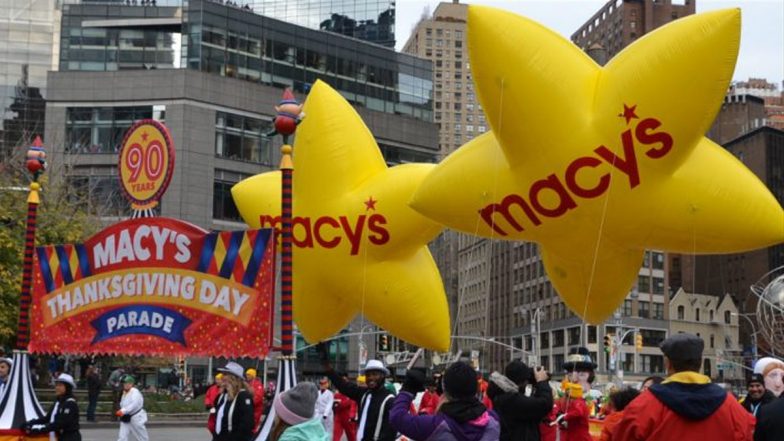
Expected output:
(371, 20)
(236, 42)
(28, 48)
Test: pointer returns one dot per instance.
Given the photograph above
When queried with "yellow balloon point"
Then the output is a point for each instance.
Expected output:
(358, 247)
(597, 164)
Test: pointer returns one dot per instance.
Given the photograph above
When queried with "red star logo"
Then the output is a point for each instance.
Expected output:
(628, 113)
(144, 136)
(370, 204)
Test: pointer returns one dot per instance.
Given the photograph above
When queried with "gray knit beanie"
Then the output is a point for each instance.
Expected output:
(298, 404)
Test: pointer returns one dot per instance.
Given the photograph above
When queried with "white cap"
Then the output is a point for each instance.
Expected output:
(375, 365)
(67, 379)
(7, 360)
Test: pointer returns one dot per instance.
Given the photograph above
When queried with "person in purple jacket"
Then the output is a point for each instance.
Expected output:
(460, 417)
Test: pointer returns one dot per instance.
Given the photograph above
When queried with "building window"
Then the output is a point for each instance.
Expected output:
(559, 361)
(627, 308)
(223, 206)
(592, 335)
(558, 338)
(657, 260)
(712, 341)
(697, 314)
(727, 317)
(658, 285)
(652, 364)
(574, 336)
(681, 312)
(102, 129)
(545, 339)
(242, 138)
(643, 284)
(644, 309)
(710, 315)
(658, 311)
(652, 337)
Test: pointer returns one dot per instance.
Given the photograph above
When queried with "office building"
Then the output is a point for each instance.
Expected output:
(213, 73)
(463, 260)
(370, 20)
(620, 22)
(29, 32)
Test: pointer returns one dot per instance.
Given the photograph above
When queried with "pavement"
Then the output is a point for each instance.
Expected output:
(107, 433)
(170, 421)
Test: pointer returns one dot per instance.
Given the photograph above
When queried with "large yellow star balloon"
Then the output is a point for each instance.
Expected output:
(358, 247)
(597, 164)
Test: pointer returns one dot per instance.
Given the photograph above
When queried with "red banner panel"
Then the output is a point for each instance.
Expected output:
(156, 286)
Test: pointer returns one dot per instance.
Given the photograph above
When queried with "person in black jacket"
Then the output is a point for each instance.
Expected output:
(757, 395)
(234, 409)
(63, 417)
(520, 413)
(770, 421)
(93, 389)
(373, 401)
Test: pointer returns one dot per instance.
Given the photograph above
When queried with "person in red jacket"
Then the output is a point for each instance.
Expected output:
(574, 420)
(213, 392)
(345, 419)
(258, 397)
(686, 405)
(429, 402)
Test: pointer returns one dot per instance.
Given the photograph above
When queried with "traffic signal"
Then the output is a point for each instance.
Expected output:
(638, 341)
(383, 343)
(608, 343)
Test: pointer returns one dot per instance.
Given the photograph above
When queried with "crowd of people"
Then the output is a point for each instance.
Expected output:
(520, 404)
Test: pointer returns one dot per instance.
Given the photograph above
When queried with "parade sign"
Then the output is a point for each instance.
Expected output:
(146, 162)
(156, 286)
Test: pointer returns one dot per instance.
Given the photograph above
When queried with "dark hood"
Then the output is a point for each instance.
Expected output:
(691, 401)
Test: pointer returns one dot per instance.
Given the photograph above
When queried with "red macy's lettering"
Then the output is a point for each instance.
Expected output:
(329, 232)
(532, 208)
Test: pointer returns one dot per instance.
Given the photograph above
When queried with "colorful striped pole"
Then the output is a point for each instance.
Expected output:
(23, 327)
(36, 164)
(286, 253)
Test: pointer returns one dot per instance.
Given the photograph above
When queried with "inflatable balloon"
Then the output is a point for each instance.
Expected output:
(597, 164)
(358, 247)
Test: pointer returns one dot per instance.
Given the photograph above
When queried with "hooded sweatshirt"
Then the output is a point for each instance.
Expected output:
(310, 430)
(684, 405)
(468, 422)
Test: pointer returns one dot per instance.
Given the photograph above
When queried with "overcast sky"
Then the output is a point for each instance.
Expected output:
(762, 39)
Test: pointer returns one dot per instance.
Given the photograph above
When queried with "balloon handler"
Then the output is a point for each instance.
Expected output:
(289, 115)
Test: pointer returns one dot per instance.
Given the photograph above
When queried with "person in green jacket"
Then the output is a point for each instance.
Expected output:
(294, 410)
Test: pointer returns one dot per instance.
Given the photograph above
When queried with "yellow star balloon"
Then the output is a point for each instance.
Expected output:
(358, 246)
(597, 164)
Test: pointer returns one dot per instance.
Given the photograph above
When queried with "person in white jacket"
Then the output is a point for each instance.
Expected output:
(324, 405)
(131, 413)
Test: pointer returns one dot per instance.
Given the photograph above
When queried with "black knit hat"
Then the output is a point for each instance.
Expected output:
(757, 378)
(460, 381)
(517, 371)
(579, 359)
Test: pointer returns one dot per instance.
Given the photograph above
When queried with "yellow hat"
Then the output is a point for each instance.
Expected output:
(218, 376)
(575, 390)
(361, 379)
(251, 372)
